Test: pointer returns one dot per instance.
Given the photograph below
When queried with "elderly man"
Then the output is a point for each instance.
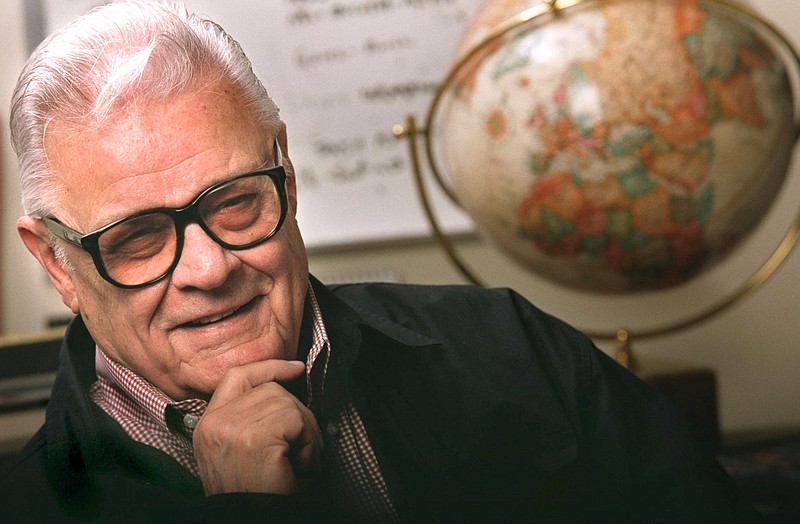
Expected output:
(207, 375)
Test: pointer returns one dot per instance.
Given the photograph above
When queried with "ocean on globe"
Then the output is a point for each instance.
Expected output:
(618, 145)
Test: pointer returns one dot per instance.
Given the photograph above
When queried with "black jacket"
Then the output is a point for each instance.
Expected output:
(479, 407)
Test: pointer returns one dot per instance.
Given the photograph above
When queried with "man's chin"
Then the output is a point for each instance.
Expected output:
(220, 361)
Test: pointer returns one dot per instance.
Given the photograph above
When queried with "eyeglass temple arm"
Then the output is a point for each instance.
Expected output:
(62, 231)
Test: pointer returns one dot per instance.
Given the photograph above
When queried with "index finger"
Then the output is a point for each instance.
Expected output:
(241, 379)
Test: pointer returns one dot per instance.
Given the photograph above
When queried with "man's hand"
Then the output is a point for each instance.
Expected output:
(255, 435)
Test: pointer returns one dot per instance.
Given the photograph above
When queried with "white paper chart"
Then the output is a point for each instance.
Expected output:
(343, 73)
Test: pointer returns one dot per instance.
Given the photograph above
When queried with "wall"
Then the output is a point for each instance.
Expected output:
(752, 345)
(12, 41)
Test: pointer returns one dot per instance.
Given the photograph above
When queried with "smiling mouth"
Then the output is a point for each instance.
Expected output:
(214, 318)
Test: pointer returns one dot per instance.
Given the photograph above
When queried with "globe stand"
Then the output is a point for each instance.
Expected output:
(624, 351)
(622, 337)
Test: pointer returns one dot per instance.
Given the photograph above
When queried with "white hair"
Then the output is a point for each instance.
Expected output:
(118, 57)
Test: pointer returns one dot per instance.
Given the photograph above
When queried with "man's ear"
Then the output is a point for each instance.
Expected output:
(291, 182)
(36, 238)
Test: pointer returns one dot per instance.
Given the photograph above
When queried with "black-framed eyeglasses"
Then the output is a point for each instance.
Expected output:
(143, 248)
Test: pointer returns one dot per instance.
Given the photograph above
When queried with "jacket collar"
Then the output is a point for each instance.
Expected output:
(350, 317)
(70, 395)
(84, 443)
(356, 334)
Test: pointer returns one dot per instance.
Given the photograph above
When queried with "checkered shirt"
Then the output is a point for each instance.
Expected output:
(142, 410)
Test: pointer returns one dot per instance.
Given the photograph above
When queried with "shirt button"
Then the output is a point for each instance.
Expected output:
(332, 429)
(190, 421)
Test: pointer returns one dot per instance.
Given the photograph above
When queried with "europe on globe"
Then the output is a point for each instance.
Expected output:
(619, 145)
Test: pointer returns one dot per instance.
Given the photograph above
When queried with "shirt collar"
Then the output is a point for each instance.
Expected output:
(150, 398)
(320, 351)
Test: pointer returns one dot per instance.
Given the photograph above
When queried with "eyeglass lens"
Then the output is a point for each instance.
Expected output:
(237, 214)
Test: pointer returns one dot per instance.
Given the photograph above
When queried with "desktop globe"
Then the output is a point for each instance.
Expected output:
(616, 145)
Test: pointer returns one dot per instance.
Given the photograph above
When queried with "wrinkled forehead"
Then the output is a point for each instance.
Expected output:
(159, 155)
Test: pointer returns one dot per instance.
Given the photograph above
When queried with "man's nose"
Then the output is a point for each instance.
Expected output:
(203, 264)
